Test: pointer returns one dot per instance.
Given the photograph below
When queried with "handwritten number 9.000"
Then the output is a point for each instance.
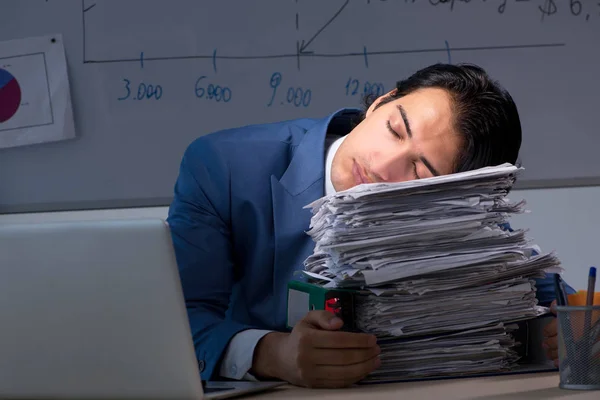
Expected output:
(296, 96)
(299, 97)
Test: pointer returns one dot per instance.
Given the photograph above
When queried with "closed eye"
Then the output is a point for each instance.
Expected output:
(416, 174)
(392, 131)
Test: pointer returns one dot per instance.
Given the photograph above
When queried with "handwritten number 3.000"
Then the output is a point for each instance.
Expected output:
(143, 91)
(127, 83)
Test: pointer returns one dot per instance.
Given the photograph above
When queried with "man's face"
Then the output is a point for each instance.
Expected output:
(408, 138)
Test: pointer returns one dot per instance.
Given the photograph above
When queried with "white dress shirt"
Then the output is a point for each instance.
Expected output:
(329, 189)
(237, 359)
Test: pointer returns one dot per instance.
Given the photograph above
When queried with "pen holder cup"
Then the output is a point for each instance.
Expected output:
(579, 347)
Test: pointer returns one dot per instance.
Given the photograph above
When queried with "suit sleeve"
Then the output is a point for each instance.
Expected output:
(545, 290)
(200, 229)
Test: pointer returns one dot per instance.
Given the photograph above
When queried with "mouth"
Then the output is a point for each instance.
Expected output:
(359, 174)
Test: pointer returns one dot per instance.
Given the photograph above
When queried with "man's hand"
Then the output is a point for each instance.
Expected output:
(317, 354)
(550, 342)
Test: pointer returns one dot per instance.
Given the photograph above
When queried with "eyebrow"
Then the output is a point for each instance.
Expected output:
(405, 119)
(429, 166)
(409, 133)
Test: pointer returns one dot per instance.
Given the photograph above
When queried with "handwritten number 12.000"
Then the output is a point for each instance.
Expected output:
(374, 89)
(144, 91)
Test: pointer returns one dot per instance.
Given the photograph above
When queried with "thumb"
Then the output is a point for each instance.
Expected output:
(553, 307)
(322, 319)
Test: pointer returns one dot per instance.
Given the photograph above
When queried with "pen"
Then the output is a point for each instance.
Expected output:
(590, 299)
(561, 298)
(587, 327)
(568, 340)
(591, 286)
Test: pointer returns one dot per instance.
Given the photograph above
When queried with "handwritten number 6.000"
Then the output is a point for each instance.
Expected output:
(212, 92)
(575, 7)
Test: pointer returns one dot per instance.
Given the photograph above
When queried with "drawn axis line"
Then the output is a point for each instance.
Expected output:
(332, 55)
(304, 44)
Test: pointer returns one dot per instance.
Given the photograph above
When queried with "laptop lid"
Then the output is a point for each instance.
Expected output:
(93, 309)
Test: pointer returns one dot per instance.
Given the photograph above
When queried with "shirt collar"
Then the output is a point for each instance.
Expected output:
(329, 189)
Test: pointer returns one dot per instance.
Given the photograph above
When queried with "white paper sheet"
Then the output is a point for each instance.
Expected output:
(35, 101)
(432, 258)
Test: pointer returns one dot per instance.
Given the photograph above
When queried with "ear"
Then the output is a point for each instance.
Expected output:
(378, 102)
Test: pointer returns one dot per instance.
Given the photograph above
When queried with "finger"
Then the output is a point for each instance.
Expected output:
(551, 343)
(342, 340)
(342, 356)
(348, 373)
(553, 354)
(551, 329)
(322, 319)
(553, 307)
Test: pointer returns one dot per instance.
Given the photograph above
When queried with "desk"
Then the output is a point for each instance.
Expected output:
(507, 387)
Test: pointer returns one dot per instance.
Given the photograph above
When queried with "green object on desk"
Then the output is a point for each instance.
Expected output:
(304, 297)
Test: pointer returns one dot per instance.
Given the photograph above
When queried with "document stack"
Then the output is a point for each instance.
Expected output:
(441, 278)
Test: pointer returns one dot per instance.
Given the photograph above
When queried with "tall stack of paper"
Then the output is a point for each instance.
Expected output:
(442, 278)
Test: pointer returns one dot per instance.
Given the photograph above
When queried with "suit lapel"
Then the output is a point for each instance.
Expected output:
(291, 220)
(301, 184)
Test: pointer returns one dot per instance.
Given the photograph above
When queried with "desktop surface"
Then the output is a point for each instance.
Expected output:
(504, 387)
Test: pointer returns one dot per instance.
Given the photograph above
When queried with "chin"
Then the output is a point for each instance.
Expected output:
(346, 185)
(344, 182)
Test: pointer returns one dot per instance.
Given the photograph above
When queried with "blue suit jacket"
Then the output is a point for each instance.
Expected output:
(238, 227)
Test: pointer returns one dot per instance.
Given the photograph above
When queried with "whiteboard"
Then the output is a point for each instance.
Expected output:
(148, 77)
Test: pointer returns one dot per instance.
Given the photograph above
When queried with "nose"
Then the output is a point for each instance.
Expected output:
(393, 165)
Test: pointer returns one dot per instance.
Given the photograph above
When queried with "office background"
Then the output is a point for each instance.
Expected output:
(147, 77)
(565, 220)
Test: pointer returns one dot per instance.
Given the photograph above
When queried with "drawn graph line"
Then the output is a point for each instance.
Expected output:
(301, 46)
(301, 49)
(84, 10)
(363, 53)
(89, 8)
(304, 45)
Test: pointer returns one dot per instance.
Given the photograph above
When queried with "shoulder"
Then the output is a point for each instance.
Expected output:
(289, 132)
(252, 147)
(259, 147)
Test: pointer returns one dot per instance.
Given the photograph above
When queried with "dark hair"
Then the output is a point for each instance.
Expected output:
(484, 112)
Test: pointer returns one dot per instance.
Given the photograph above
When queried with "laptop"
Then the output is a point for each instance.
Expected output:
(94, 309)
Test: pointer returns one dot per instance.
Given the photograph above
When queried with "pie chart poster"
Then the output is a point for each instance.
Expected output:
(33, 93)
(23, 102)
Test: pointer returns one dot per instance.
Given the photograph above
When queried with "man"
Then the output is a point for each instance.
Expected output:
(238, 221)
